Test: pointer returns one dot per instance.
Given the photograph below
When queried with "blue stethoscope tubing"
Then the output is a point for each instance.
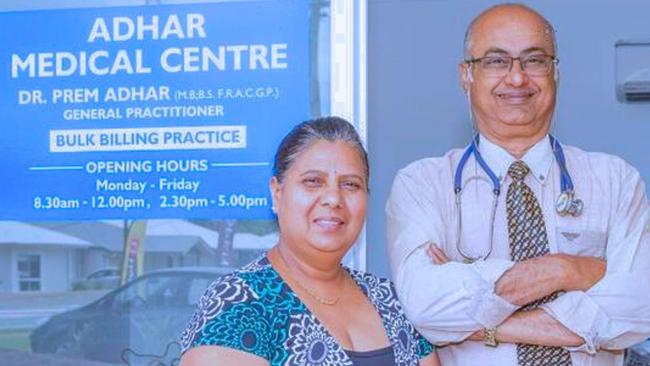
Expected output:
(566, 204)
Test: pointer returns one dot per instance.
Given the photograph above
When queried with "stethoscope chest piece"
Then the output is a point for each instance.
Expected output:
(566, 204)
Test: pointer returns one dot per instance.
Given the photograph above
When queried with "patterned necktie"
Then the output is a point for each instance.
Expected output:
(528, 239)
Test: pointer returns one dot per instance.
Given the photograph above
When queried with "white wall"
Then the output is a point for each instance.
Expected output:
(55, 270)
(94, 259)
(58, 267)
(5, 269)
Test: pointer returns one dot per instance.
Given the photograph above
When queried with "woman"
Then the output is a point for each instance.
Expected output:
(297, 305)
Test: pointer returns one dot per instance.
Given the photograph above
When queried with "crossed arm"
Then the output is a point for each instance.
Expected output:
(450, 303)
(534, 279)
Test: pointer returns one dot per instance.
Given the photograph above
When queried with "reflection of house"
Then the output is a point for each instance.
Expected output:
(100, 244)
(37, 259)
(169, 243)
(249, 246)
(174, 243)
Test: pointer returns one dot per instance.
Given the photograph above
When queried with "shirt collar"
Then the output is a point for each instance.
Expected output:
(539, 158)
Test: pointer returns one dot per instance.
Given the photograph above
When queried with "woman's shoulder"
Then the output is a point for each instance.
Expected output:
(369, 278)
(230, 301)
(240, 286)
(375, 287)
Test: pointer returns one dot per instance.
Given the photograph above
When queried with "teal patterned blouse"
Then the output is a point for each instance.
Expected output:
(255, 311)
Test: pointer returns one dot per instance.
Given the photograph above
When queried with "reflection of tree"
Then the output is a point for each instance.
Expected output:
(226, 229)
(225, 253)
(257, 227)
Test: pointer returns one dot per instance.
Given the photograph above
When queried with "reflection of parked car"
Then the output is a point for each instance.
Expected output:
(105, 278)
(143, 317)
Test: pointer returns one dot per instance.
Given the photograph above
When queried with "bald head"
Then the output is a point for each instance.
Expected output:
(512, 105)
(503, 12)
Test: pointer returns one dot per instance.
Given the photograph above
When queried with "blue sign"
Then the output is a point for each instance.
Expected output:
(166, 111)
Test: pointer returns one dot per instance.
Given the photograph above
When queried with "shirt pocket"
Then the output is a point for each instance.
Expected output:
(585, 242)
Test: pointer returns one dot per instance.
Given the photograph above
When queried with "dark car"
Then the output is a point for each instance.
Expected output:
(137, 323)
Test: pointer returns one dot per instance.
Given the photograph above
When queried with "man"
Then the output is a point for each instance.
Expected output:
(539, 287)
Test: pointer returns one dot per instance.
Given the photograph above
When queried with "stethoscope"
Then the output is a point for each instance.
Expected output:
(566, 203)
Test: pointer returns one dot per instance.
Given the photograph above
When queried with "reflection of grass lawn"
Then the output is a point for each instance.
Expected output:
(36, 300)
(15, 339)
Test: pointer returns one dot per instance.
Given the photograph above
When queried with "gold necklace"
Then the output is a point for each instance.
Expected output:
(312, 293)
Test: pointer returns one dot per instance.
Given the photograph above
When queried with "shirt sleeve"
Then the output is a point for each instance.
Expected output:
(446, 303)
(615, 313)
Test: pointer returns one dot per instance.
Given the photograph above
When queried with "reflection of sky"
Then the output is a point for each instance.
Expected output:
(324, 61)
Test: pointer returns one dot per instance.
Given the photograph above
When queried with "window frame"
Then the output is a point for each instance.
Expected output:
(19, 281)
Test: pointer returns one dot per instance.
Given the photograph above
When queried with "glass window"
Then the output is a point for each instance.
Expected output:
(78, 305)
(29, 272)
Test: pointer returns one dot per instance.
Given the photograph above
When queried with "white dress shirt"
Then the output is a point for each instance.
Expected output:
(447, 303)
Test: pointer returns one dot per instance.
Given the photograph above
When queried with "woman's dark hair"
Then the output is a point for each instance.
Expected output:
(306, 133)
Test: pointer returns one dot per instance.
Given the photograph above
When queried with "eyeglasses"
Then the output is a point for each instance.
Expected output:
(499, 66)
